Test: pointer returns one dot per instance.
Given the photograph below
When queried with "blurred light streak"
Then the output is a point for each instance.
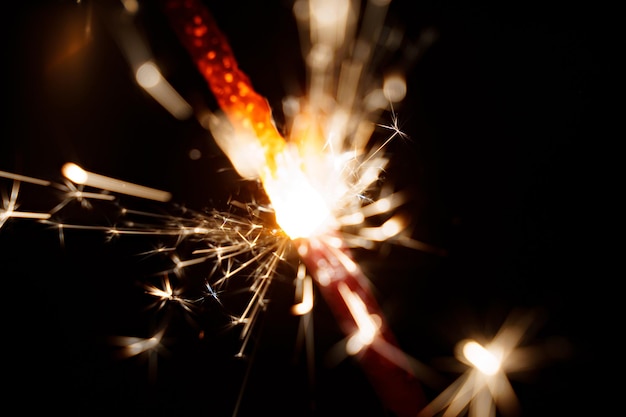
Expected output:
(304, 291)
(150, 79)
(24, 178)
(78, 175)
(141, 60)
(9, 206)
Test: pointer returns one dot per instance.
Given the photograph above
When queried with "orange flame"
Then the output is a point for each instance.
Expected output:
(248, 112)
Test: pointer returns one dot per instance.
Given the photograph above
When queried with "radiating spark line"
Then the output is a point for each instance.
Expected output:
(24, 178)
(9, 207)
(227, 237)
(167, 294)
(74, 193)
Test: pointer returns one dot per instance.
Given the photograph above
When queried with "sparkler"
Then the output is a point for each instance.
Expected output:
(315, 176)
(320, 174)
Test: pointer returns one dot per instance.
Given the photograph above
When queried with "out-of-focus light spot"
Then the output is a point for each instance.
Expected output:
(352, 219)
(328, 22)
(195, 154)
(394, 88)
(334, 241)
(392, 227)
(481, 358)
(74, 173)
(389, 229)
(148, 75)
(291, 106)
(320, 56)
(131, 6)
(375, 100)
(329, 12)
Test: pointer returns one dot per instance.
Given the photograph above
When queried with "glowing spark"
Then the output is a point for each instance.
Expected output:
(167, 294)
(304, 286)
(9, 205)
(133, 346)
(485, 385)
(300, 209)
(482, 359)
(78, 175)
(367, 326)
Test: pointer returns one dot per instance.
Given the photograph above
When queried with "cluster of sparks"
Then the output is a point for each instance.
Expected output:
(321, 176)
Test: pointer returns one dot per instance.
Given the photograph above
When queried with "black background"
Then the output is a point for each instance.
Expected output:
(503, 119)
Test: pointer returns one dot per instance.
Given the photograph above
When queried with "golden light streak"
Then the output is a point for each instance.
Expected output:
(150, 79)
(141, 60)
(367, 325)
(24, 215)
(304, 290)
(84, 194)
(24, 178)
(78, 175)
(389, 229)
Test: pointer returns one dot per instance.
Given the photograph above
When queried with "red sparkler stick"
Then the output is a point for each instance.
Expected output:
(248, 111)
(381, 359)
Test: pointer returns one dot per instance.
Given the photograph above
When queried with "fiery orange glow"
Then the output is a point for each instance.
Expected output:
(248, 112)
(251, 139)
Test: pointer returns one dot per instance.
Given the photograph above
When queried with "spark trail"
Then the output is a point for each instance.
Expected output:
(236, 244)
